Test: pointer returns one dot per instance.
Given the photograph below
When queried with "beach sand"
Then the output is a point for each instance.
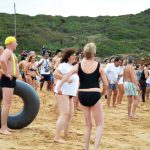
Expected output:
(120, 133)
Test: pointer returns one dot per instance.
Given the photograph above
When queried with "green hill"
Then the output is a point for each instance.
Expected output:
(112, 34)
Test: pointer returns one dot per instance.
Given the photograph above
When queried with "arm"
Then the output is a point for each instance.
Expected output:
(41, 62)
(57, 74)
(104, 80)
(26, 68)
(133, 76)
(67, 76)
(4, 58)
(146, 74)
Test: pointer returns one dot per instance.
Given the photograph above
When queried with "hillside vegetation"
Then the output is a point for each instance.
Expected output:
(112, 34)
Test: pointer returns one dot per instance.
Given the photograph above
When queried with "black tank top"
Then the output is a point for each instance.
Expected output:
(89, 80)
(142, 78)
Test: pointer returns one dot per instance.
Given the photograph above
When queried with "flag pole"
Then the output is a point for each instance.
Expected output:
(15, 17)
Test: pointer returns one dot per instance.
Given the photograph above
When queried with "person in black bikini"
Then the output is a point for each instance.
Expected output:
(31, 71)
(89, 72)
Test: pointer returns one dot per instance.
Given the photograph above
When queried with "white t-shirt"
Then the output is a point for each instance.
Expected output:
(67, 88)
(148, 79)
(120, 79)
(112, 73)
(45, 66)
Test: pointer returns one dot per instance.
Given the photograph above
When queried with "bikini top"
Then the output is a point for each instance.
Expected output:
(32, 69)
(89, 80)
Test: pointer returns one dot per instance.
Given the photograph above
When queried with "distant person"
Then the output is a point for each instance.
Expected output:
(138, 71)
(131, 87)
(120, 82)
(148, 81)
(31, 71)
(56, 59)
(89, 72)
(112, 73)
(142, 82)
(22, 65)
(43, 50)
(8, 80)
(45, 71)
(23, 53)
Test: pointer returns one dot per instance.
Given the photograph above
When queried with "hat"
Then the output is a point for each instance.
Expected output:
(10, 39)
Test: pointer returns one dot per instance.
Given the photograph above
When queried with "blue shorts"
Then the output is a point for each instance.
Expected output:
(112, 86)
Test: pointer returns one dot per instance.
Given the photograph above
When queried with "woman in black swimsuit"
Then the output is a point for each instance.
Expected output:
(89, 72)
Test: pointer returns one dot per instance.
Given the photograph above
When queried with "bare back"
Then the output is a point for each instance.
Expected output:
(129, 74)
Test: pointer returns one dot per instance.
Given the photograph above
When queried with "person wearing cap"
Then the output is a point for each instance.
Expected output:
(8, 80)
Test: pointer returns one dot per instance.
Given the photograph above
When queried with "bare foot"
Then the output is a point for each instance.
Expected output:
(5, 132)
(130, 117)
(59, 140)
(10, 130)
(134, 117)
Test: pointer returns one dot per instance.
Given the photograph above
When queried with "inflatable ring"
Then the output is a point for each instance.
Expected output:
(30, 109)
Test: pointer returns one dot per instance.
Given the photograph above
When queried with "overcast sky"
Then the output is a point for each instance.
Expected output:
(65, 8)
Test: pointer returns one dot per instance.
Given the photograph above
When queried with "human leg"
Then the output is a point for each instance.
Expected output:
(6, 103)
(63, 104)
(88, 121)
(109, 97)
(129, 106)
(97, 111)
(120, 93)
(70, 115)
(135, 104)
(114, 97)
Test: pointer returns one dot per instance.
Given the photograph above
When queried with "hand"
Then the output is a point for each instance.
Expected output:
(137, 88)
(69, 80)
(59, 91)
(41, 77)
(9, 76)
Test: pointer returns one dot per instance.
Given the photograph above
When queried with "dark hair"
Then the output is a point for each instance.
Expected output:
(118, 59)
(148, 64)
(66, 54)
(137, 66)
(23, 57)
(58, 50)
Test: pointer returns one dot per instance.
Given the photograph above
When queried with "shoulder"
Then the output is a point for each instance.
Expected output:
(7, 51)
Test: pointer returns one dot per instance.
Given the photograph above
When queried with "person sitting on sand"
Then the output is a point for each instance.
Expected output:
(89, 95)
(8, 80)
(131, 87)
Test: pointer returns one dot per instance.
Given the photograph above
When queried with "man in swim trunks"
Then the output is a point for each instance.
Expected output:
(8, 80)
(131, 87)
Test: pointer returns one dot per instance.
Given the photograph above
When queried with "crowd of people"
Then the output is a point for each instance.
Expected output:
(75, 77)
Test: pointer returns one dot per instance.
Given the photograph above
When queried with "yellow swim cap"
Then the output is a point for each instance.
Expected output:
(10, 39)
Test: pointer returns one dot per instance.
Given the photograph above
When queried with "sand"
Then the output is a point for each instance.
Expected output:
(120, 133)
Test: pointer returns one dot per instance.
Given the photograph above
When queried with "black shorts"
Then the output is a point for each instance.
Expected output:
(6, 82)
(89, 98)
(46, 77)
